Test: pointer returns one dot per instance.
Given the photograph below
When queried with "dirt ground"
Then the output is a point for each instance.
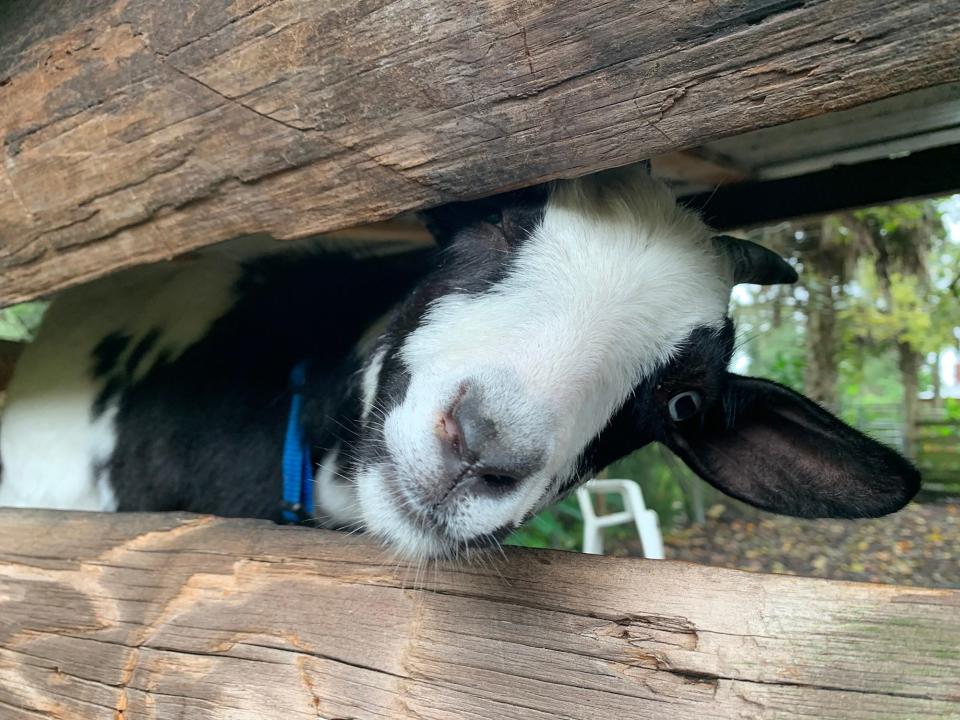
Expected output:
(918, 546)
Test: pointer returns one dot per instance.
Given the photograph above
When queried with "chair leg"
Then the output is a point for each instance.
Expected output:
(592, 533)
(648, 527)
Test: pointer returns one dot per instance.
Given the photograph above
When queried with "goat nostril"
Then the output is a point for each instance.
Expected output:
(499, 483)
(450, 432)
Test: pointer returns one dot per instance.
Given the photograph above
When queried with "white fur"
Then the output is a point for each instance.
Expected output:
(50, 443)
(370, 382)
(335, 497)
(382, 516)
(601, 294)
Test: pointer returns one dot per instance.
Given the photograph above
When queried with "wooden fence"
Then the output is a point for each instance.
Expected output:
(937, 448)
(175, 616)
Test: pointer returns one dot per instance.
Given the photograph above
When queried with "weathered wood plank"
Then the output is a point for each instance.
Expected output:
(135, 130)
(922, 174)
(158, 616)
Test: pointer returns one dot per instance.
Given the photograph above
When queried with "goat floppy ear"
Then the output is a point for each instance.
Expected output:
(773, 448)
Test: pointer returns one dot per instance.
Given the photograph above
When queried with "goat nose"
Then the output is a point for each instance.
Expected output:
(475, 453)
(479, 431)
(451, 436)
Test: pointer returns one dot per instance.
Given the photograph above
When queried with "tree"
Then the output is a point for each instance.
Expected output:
(896, 295)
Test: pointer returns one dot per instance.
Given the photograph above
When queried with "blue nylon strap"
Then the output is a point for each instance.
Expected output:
(297, 465)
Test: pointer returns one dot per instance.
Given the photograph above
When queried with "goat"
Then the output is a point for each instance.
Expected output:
(555, 330)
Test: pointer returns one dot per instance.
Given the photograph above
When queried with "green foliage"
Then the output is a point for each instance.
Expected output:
(868, 380)
(901, 292)
(660, 475)
(21, 322)
(657, 471)
(776, 353)
(951, 407)
(559, 527)
(901, 313)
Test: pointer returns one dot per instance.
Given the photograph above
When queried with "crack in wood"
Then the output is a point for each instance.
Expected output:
(88, 214)
(20, 709)
(751, 17)
(523, 36)
(302, 130)
(177, 159)
(229, 100)
(674, 95)
(207, 35)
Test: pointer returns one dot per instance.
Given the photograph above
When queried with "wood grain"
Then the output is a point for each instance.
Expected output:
(163, 616)
(135, 130)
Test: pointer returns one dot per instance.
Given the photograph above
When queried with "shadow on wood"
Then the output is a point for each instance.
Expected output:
(160, 616)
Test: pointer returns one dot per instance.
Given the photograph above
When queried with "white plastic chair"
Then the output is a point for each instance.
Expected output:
(648, 526)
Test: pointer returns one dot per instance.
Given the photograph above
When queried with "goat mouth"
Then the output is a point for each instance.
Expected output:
(424, 517)
(430, 519)
(434, 516)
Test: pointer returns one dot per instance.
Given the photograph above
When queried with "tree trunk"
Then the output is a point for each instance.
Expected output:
(909, 361)
(776, 305)
(937, 385)
(823, 266)
(820, 376)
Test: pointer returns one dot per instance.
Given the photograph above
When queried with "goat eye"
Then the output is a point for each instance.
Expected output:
(685, 405)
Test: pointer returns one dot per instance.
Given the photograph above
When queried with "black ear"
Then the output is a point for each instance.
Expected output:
(773, 448)
(515, 214)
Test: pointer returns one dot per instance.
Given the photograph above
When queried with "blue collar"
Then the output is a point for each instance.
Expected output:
(297, 465)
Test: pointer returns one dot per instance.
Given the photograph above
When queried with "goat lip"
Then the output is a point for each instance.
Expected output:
(432, 520)
(427, 514)
(422, 514)
(434, 523)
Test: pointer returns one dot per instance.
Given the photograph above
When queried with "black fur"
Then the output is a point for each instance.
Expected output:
(773, 448)
(755, 440)
(107, 353)
(140, 350)
(699, 365)
(205, 432)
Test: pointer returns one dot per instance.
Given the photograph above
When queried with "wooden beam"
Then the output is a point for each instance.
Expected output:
(922, 174)
(136, 616)
(865, 152)
(133, 131)
(904, 123)
(402, 232)
(698, 168)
